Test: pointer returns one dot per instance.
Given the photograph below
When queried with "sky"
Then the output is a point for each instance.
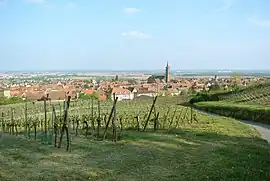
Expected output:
(134, 34)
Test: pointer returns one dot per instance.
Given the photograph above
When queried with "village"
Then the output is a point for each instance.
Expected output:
(161, 85)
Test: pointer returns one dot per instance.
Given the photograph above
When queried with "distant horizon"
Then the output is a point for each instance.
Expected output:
(141, 70)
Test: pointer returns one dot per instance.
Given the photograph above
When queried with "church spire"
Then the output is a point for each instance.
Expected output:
(167, 73)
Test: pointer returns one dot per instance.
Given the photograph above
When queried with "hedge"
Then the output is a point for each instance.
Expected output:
(255, 113)
(201, 97)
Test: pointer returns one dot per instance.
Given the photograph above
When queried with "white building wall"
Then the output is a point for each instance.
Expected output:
(124, 96)
(7, 93)
(147, 94)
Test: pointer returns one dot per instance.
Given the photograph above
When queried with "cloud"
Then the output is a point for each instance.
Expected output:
(227, 5)
(130, 10)
(260, 22)
(136, 34)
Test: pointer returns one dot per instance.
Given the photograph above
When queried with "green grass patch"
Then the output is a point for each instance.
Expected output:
(212, 149)
(258, 113)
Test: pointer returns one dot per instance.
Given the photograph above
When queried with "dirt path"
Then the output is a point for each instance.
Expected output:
(263, 129)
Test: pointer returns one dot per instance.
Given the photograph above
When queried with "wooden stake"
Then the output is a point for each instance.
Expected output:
(156, 122)
(12, 121)
(2, 123)
(65, 127)
(114, 121)
(92, 116)
(55, 126)
(149, 115)
(172, 118)
(99, 119)
(191, 112)
(110, 117)
(25, 116)
(45, 118)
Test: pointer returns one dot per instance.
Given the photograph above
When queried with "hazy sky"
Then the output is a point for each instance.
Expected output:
(134, 34)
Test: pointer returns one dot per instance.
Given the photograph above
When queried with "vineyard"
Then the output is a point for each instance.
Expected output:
(50, 121)
(254, 95)
(152, 139)
(251, 103)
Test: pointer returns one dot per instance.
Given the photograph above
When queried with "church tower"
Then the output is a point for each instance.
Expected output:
(167, 74)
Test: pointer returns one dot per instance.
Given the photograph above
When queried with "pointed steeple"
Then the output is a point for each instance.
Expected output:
(167, 73)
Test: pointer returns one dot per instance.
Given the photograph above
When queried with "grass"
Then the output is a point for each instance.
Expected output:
(229, 104)
(258, 113)
(214, 149)
(250, 103)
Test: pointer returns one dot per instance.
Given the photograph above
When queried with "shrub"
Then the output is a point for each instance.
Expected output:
(202, 97)
(11, 100)
(238, 111)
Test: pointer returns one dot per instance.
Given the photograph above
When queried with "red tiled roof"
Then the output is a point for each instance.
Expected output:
(88, 91)
(34, 95)
(119, 90)
(102, 97)
(16, 92)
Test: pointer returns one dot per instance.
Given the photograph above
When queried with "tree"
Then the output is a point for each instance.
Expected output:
(2, 100)
(236, 79)
(184, 92)
(192, 89)
(214, 87)
(11, 100)
(86, 86)
(84, 96)
(95, 95)
(116, 78)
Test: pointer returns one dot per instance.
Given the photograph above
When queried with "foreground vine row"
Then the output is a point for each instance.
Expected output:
(101, 120)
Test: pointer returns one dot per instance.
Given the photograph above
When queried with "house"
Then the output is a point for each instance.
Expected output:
(122, 94)
(2, 92)
(156, 79)
(211, 84)
(174, 91)
(102, 95)
(33, 95)
(60, 86)
(42, 95)
(7, 93)
(146, 92)
(88, 91)
(57, 95)
(72, 93)
(133, 91)
(16, 92)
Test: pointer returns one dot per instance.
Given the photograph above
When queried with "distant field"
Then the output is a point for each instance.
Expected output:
(141, 77)
(209, 76)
